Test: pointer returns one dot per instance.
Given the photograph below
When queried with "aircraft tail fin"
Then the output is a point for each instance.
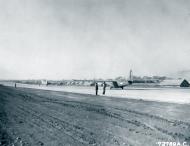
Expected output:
(115, 84)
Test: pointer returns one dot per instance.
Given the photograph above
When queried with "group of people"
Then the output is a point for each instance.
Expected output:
(104, 88)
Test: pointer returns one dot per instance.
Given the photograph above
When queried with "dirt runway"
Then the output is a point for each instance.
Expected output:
(39, 117)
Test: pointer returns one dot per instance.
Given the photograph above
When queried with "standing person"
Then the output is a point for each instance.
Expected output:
(104, 88)
(96, 88)
(15, 85)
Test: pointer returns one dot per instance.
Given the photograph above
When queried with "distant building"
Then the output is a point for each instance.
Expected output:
(177, 83)
(184, 83)
(44, 82)
(170, 82)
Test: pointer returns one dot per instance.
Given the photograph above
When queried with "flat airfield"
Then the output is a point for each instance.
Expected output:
(57, 118)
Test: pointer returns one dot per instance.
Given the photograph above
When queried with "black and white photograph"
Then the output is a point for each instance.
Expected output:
(94, 72)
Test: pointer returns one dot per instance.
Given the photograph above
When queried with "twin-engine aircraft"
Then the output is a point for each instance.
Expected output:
(115, 85)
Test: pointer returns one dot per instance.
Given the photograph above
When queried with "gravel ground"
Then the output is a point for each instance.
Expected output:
(39, 117)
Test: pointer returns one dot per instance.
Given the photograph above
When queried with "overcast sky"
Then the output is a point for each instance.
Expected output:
(58, 39)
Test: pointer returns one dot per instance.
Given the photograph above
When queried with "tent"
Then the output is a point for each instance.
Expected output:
(184, 83)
